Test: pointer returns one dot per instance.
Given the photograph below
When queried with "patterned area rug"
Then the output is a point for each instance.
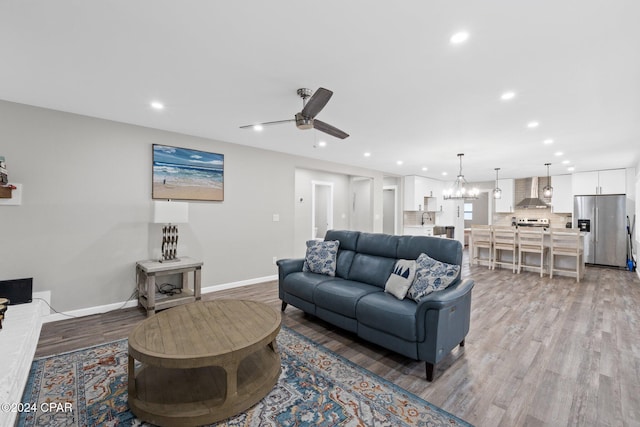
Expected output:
(317, 387)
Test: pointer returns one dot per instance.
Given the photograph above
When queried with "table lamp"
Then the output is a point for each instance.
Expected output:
(170, 213)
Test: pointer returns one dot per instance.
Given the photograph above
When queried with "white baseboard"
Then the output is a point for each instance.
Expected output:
(134, 302)
(239, 284)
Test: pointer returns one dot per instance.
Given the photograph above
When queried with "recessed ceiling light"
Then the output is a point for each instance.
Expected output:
(548, 141)
(424, 168)
(507, 96)
(532, 125)
(367, 154)
(257, 128)
(157, 105)
(444, 174)
(558, 153)
(566, 162)
(459, 37)
(571, 168)
(322, 144)
(399, 162)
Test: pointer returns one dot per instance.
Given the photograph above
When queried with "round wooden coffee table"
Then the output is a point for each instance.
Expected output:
(203, 362)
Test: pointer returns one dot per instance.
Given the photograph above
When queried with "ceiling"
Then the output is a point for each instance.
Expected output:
(401, 89)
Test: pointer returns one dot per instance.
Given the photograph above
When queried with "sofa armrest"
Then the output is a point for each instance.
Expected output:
(444, 318)
(447, 297)
(288, 266)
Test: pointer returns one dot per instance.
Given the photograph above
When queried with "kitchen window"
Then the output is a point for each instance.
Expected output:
(468, 211)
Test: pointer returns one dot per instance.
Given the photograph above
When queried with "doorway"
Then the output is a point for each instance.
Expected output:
(321, 208)
(361, 218)
(389, 209)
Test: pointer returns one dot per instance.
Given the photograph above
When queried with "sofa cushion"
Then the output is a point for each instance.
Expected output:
(401, 278)
(432, 275)
(342, 296)
(386, 313)
(303, 284)
(445, 250)
(371, 269)
(321, 257)
(348, 239)
(383, 245)
(343, 263)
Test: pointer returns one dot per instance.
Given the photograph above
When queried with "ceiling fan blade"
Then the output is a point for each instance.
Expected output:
(331, 130)
(277, 122)
(316, 103)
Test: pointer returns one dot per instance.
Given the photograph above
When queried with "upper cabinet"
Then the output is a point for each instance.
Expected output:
(413, 193)
(422, 193)
(600, 182)
(562, 199)
(506, 202)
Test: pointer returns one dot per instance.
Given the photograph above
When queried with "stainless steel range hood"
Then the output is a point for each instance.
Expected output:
(533, 202)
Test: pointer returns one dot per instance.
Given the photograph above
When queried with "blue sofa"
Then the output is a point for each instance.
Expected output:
(354, 299)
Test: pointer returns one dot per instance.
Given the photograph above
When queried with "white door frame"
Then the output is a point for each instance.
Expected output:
(315, 184)
(395, 206)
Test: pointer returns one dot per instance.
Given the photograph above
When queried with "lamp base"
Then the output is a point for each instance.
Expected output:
(169, 260)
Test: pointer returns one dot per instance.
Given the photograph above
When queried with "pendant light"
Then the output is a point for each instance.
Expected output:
(497, 192)
(547, 191)
(460, 189)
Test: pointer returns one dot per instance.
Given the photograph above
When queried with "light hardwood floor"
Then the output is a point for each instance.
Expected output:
(540, 352)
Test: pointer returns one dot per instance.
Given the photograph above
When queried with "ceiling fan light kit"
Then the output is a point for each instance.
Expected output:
(312, 104)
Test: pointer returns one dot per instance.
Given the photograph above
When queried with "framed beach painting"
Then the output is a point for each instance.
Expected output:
(186, 174)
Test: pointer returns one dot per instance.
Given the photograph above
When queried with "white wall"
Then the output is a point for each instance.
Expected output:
(636, 203)
(86, 206)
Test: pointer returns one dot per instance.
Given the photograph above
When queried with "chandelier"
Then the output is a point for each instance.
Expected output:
(460, 189)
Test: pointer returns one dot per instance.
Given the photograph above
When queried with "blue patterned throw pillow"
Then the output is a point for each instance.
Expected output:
(431, 276)
(321, 257)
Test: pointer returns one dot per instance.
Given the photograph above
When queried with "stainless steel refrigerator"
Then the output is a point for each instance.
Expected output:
(603, 220)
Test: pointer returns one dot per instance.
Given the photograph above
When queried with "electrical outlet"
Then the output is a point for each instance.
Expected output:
(275, 259)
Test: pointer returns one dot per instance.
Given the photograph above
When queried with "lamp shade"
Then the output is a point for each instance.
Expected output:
(170, 212)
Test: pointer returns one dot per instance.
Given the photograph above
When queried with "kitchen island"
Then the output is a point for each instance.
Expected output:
(533, 260)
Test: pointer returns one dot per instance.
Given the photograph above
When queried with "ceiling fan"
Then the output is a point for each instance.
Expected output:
(312, 104)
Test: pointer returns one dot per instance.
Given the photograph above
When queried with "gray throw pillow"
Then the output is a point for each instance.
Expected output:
(431, 276)
(401, 278)
(321, 257)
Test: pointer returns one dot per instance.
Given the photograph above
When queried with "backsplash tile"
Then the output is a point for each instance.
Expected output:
(415, 218)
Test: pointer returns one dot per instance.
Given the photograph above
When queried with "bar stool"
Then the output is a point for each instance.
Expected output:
(566, 242)
(531, 241)
(480, 239)
(504, 239)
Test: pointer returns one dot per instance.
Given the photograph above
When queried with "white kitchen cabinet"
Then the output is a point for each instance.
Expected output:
(431, 204)
(434, 188)
(562, 199)
(425, 230)
(422, 193)
(612, 181)
(414, 192)
(506, 202)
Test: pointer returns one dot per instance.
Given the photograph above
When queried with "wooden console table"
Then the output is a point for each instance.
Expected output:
(148, 271)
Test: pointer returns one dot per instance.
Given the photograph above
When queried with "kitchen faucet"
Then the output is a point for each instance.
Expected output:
(428, 217)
